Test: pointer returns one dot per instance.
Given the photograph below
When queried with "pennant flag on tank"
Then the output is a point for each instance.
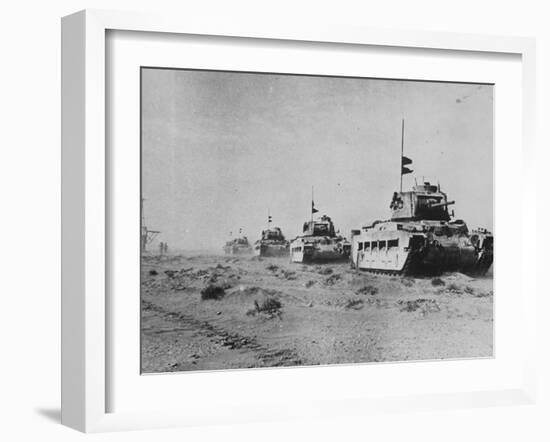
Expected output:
(313, 209)
(404, 162)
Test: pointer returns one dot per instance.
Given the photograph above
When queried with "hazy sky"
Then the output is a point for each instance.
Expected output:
(219, 149)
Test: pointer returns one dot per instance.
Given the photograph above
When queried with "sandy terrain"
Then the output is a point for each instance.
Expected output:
(325, 314)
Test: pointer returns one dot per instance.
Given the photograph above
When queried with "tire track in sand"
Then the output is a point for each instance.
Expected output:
(268, 357)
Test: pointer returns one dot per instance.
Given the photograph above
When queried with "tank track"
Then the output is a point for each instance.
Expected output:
(405, 271)
(481, 267)
(483, 263)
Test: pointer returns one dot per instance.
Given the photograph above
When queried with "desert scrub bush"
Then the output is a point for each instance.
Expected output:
(170, 273)
(309, 283)
(333, 279)
(272, 267)
(255, 290)
(454, 288)
(367, 290)
(212, 292)
(287, 274)
(355, 304)
(222, 267)
(437, 282)
(270, 306)
(424, 305)
(484, 295)
(153, 272)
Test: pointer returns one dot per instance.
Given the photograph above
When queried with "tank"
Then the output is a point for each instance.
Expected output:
(421, 238)
(237, 246)
(319, 243)
(272, 243)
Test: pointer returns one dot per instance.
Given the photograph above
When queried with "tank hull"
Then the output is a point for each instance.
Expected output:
(310, 250)
(419, 248)
(271, 250)
(233, 250)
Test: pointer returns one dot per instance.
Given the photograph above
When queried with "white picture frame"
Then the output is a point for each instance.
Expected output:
(85, 202)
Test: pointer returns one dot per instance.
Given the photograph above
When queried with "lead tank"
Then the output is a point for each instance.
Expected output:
(319, 243)
(421, 238)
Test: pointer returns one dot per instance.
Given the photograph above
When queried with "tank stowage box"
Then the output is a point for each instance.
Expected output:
(421, 238)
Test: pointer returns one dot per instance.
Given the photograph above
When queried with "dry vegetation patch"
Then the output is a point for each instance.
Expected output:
(333, 279)
(355, 304)
(469, 290)
(367, 290)
(424, 305)
(484, 294)
(269, 307)
(212, 291)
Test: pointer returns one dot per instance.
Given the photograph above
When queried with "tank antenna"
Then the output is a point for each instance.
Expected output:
(401, 159)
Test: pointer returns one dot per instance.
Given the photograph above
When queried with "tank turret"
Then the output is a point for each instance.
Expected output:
(321, 227)
(425, 201)
(273, 234)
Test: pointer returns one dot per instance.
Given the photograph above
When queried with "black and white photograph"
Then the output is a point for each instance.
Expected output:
(300, 220)
(232, 221)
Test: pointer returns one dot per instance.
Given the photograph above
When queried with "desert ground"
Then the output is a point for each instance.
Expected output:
(211, 312)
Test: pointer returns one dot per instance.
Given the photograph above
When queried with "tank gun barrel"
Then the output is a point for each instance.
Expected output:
(449, 203)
